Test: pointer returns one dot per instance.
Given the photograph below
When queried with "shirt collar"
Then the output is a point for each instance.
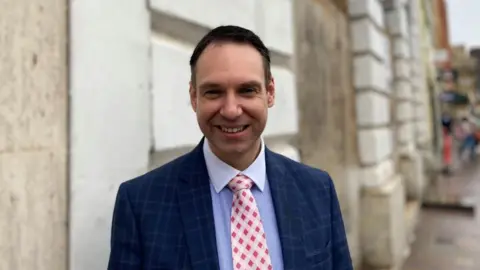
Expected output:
(221, 173)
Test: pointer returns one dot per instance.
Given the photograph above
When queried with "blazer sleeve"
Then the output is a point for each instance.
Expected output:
(341, 258)
(125, 248)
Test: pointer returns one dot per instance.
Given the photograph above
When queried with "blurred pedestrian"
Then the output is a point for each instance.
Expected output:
(447, 127)
(469, 141)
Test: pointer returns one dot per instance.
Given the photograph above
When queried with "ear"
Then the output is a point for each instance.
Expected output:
(193, 96)
(270, 87)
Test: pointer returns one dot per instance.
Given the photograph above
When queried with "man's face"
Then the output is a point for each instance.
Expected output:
(231, 98)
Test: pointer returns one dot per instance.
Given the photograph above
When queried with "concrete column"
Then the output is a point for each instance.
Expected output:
(410, 163)
(33, 135)
(382, 199)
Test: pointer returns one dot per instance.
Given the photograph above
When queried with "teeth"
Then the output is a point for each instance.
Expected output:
(233, 130)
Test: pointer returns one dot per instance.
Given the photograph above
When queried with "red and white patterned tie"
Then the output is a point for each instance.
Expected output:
(249, 245)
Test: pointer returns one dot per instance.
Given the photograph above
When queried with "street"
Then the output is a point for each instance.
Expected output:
(450, 239)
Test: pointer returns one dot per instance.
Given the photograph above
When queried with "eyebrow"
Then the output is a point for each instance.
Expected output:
(251, 84)
(210, 85)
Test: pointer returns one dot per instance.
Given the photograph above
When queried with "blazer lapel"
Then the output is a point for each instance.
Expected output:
(197, 211)
(286, 197)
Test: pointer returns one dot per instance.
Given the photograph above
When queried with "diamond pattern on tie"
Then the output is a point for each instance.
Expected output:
(249, 245)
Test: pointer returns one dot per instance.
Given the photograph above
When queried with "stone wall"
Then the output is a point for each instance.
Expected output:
(33, 135)
(327, 134)
(383, 230)
(408, 94)
(427, 104)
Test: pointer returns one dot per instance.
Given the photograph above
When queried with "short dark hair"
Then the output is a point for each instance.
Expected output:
(234, 34)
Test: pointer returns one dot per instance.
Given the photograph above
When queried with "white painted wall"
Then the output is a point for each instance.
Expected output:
(174, 122)
(129, 93)
(110, 118)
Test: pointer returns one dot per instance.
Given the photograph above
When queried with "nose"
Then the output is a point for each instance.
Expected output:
(231, 108)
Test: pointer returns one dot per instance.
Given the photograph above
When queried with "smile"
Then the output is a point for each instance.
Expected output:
(232, 130)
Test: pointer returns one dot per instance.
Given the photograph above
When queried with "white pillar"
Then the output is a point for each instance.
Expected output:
(405, 57)
(382, 202)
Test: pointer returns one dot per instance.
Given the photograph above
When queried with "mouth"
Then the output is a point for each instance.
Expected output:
(232, 130)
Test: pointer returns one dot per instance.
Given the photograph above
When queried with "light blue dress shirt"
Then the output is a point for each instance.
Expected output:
(220, 174)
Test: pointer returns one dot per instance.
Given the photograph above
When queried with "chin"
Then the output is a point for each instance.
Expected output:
(234, 148)
(239, 147)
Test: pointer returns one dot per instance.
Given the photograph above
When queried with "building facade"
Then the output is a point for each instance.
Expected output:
(441, 32)
(106, 99)
(464, 68)
(431, 145)
(475, 54)
(390, 79)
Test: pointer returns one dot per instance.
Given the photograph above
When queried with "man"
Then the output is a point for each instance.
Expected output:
(231, 203)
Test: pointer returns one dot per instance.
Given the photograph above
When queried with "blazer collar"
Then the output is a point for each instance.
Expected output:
(196, 211)
(286, 198)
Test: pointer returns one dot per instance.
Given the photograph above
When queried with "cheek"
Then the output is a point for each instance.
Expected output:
(206, 110)
(258, 111)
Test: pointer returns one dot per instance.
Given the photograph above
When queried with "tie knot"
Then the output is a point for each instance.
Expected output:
(240, 182)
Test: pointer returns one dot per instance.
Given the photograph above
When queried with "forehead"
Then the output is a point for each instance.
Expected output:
(229, 63)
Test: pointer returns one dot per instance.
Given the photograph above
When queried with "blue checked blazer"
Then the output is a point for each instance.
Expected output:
(164, 219)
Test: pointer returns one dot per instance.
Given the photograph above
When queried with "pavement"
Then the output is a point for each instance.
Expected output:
(449, 239)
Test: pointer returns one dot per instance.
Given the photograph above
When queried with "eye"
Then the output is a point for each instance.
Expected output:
(212, 93)
(248, 90)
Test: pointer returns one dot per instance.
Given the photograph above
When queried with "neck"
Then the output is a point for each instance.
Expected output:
(237, 160)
